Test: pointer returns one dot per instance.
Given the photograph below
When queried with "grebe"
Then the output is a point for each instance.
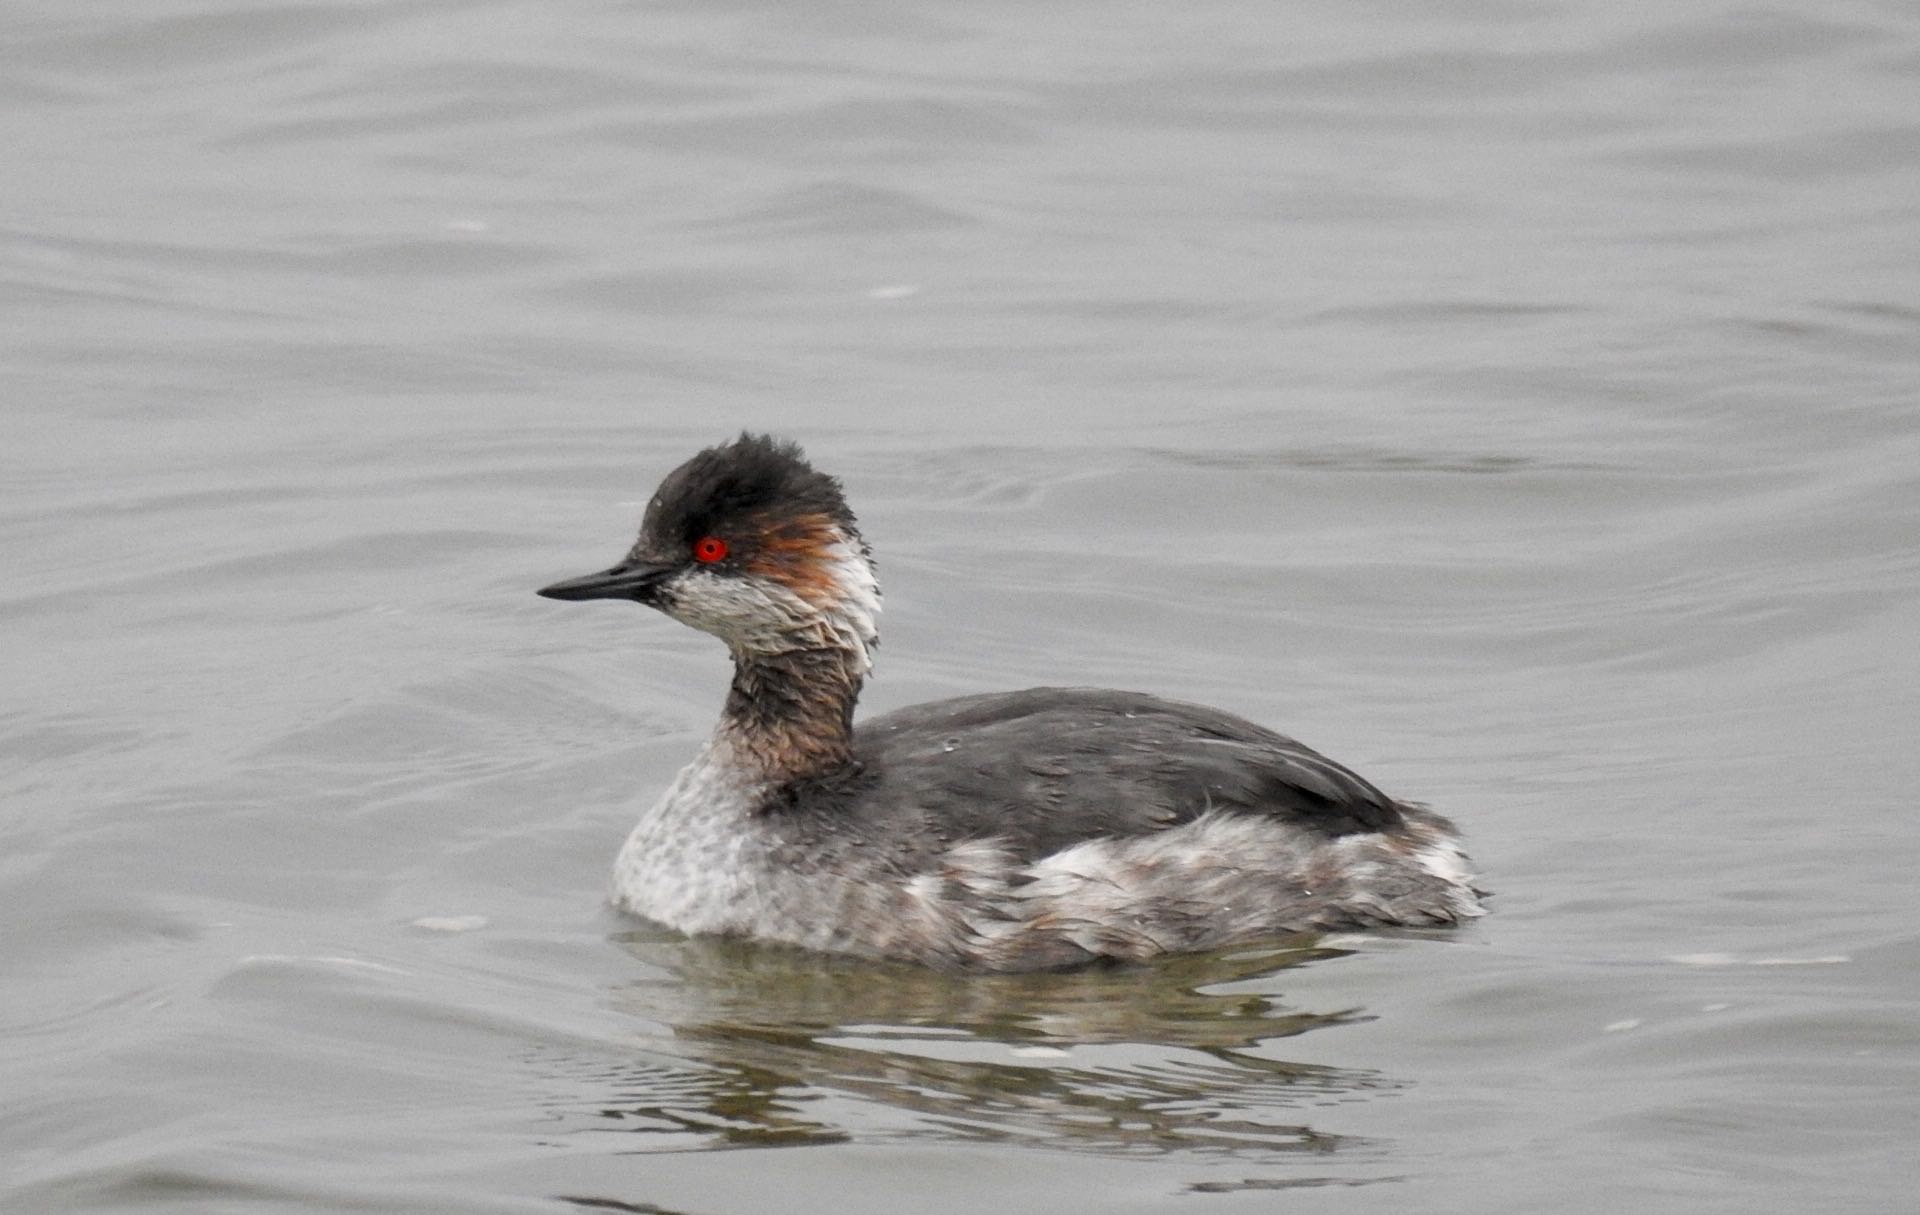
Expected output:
(1011, 831)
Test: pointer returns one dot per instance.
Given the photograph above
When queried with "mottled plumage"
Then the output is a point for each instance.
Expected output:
(1008, 831)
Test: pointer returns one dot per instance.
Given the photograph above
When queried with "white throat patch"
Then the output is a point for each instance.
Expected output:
(758, 614)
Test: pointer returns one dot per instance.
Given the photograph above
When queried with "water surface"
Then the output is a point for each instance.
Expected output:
(1514, 401)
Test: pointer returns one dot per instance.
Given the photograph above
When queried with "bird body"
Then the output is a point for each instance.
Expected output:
(1037, 829)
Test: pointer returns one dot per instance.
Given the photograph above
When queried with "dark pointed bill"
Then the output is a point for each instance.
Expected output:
(633, 580)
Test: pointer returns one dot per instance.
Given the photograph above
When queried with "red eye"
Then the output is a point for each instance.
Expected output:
(709, 549)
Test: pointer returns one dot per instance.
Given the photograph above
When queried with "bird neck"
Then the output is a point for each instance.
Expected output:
(790, 713)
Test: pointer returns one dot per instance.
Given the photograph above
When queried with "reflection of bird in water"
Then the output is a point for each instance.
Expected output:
(1106, 1061)
(1015, 831)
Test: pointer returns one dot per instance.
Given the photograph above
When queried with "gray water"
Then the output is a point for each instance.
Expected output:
(1515, 401)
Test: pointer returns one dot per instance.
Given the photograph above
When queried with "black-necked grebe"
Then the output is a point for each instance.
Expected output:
(1011, 831)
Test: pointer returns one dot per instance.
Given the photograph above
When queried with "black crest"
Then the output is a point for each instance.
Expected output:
(752, 478)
